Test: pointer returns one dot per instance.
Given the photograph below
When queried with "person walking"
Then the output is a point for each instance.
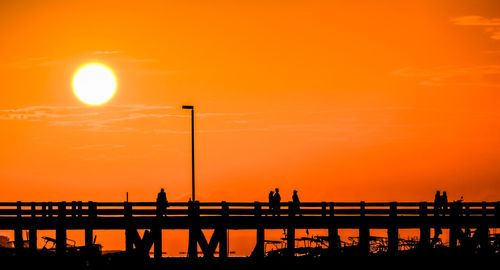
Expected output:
(296, 203)
(444, 203)
(276, 202)
(161, 203)
(271, 202)
(437, 203)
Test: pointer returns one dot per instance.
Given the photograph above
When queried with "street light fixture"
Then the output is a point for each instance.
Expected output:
(189, 107)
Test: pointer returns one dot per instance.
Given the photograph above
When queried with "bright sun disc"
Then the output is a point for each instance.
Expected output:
(94, 84)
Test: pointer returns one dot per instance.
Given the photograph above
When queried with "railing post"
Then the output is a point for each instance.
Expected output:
(364, 232)
(392, 231)
(259, 250)
(50, 209)
(156, 231)
(333, 233)
(80, 209)
(89, 229)
(18, 231)
(32, 232)
(323, 209)
(425, 231)
(61, 229)
(290, 233)
(44, 210)
(73, 209)
(223, 252)
(497, 210)
(129, 230)
(194, 230)
(324, 218)
(484, 230)
(453, 216)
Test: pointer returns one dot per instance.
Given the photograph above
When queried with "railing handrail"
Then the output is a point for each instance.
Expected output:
(246, 204)
(107, 209)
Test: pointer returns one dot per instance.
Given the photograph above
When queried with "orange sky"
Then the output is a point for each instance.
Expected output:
(370, 100)
(383, 100)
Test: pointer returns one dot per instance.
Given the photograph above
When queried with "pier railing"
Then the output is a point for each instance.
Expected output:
(223, 216)
(149, 209)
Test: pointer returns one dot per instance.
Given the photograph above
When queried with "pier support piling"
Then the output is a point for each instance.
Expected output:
(61, 229)
(425, 230)
(392, 231)
(364, 232)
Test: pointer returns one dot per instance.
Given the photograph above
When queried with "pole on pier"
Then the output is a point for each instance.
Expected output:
(425, 230)
(190, 107)
(392, 231)
(61, 229)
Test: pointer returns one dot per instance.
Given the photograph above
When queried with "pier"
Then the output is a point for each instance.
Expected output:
(223, 216)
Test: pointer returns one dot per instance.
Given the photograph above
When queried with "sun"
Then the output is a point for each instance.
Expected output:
(94, 84)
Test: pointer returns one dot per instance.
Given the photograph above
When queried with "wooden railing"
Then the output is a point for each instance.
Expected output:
(223, 216)
(145, 209)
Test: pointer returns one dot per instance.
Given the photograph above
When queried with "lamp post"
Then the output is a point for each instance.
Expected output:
(189, 107)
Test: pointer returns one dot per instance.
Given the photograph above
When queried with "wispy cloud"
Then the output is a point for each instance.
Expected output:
(111, 118)
(490, 25)
(482, 76)
(476, 20)
(89, 119)
(98, 147)
(342, 124)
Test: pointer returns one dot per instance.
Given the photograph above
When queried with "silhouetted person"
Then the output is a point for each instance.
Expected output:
(458, 206)
(271, 203)
(161, 202)
(444, 203)
(296, 203)
(437, 203)
(437, 211)
(276, 202)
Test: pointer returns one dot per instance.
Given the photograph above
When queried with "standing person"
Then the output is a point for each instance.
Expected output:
(277, 201)
(161, 202)
(296, 203)
(271, 203)
(437, 203)
(444, 203)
